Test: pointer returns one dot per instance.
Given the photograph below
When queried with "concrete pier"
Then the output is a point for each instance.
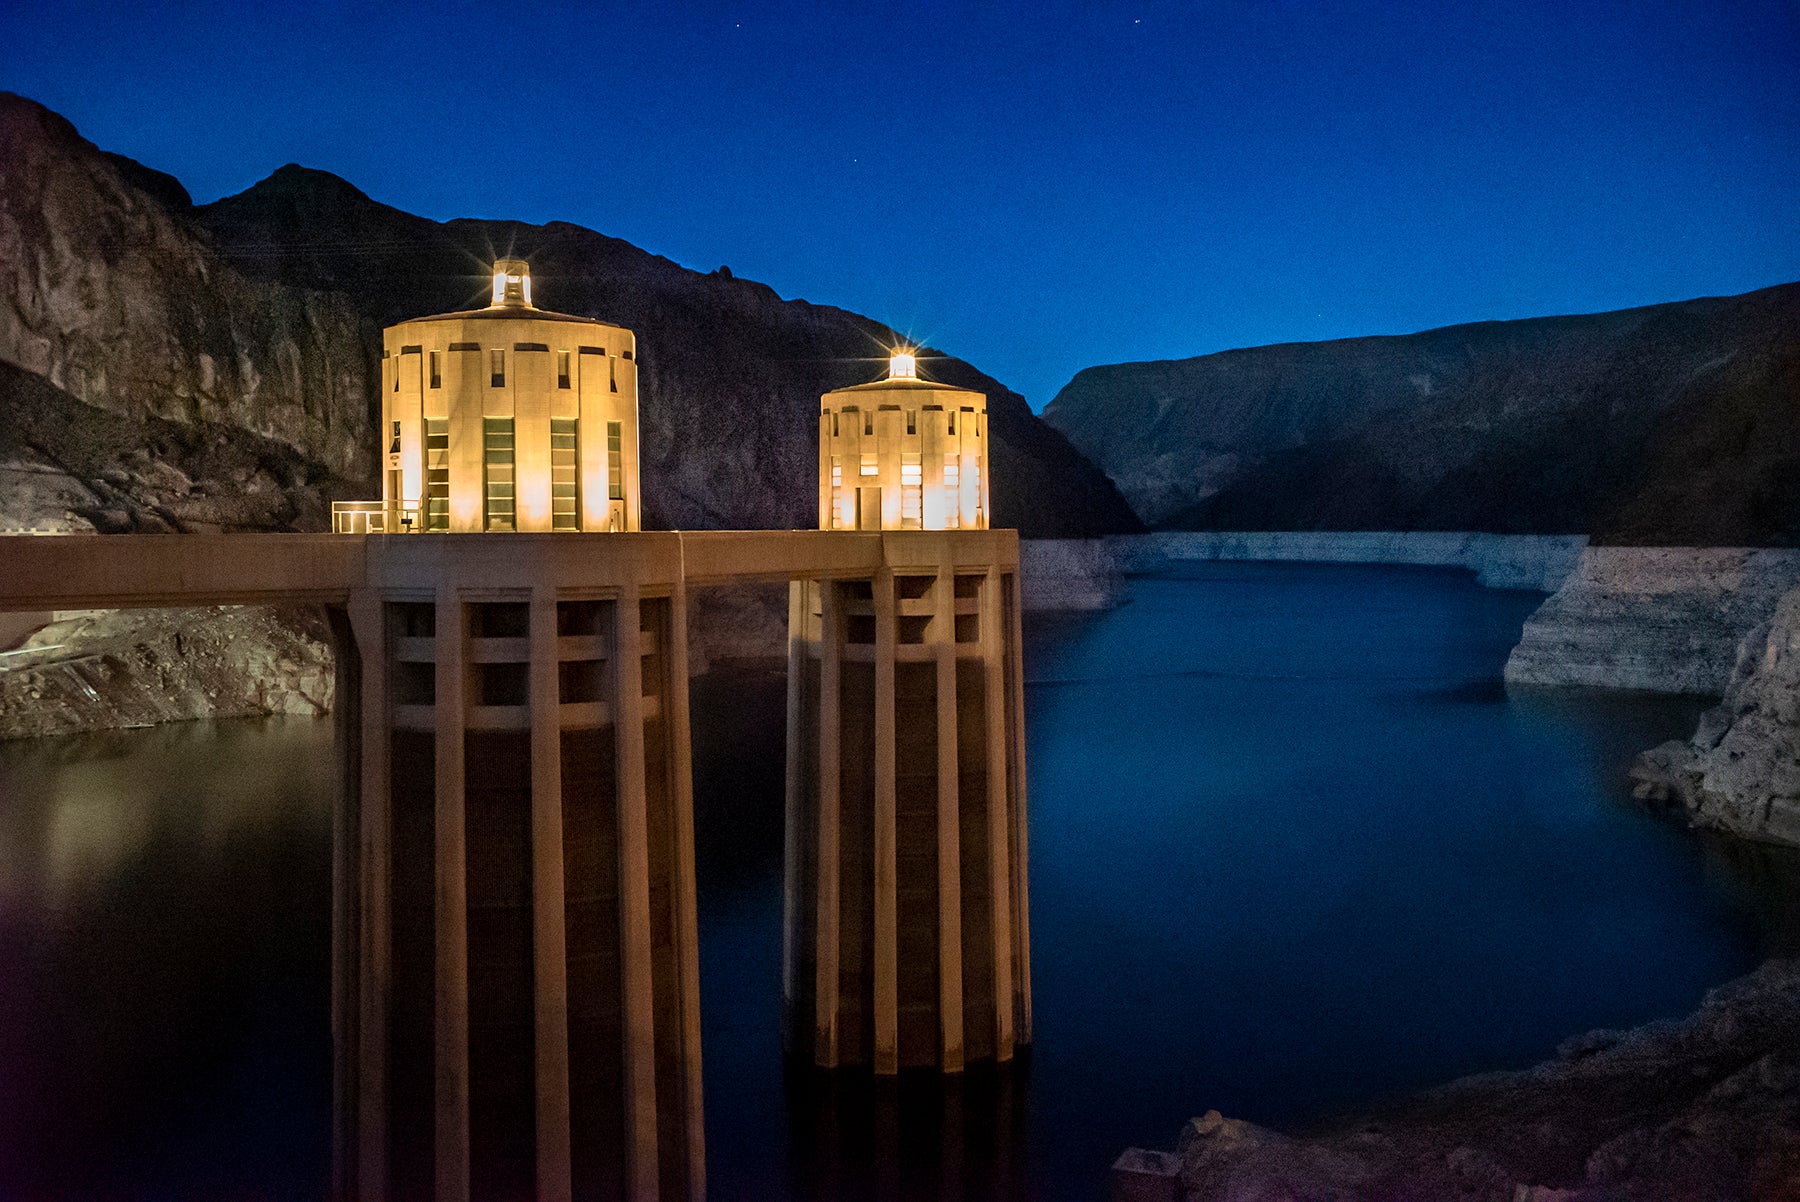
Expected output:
(905, 912)
(528, 1008)
(515, 968)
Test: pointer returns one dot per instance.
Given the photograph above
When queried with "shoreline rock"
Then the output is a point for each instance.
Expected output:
(1659, 619)
(1703, 1107)
(1740, 772)
(114, 669)
(1517, 561)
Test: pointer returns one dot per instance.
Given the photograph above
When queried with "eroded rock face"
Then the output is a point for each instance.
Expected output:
(1662, 619)
(1741, 770)
(104, 670)
(109, 293)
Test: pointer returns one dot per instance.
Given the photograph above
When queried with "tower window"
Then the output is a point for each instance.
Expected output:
(912, 421)
(953, 489)
(615, 461)
(497, 469)
(437, 371)
(834, 425)
(565, 479)
(953, 421)
(912, 480)
(437, 474)
(497, 368)
(870, 465)
(869, 422)
(394, 441)
(562, 369)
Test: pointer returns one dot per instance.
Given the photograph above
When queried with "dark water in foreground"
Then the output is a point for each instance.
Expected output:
(1292, 849)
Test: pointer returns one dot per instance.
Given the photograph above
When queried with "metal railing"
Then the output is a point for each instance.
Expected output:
(375, 517)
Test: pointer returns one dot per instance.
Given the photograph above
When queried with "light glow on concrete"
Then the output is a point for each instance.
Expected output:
(903, 454)
(446, 379)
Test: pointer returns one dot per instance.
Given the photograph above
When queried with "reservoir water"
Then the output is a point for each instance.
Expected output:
(1293, 849)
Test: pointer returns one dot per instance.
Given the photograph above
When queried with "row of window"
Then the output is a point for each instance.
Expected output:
(912, 471)
(497, 365)
(498, 454)
(499, 499)
(912, 481)
(912, 420)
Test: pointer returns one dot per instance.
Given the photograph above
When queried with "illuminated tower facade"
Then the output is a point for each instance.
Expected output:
(903, 454)
(506, 418)
(521, 992)
(907, 928)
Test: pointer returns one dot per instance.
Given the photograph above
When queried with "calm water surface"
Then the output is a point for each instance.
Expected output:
(1292, 849)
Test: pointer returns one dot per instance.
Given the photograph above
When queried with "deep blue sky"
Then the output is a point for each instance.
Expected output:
(1036, 189)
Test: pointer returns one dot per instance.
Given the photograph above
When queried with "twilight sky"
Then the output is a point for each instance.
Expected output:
(1035, 188)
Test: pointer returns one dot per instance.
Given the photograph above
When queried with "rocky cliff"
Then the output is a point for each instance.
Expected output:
(1741, 770)
(1671, 424)
(110, 292)
(1664, 619)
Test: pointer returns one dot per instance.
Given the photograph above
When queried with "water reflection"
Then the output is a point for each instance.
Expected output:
(1292, 847)
(164, 940)
(851, 1135)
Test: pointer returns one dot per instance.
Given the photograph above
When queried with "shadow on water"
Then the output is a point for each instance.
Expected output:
(164, 948)
(1293, 847)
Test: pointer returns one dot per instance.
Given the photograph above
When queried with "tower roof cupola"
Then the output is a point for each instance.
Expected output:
(512, 284)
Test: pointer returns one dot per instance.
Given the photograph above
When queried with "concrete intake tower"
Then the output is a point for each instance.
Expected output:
(907, 942)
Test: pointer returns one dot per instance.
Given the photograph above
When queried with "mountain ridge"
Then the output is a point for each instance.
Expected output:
(1628, 425)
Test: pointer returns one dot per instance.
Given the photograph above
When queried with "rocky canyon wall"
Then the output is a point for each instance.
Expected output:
(1663, 619)
(1740, 772)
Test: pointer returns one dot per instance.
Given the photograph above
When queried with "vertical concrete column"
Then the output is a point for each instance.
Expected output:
(791, 802)
(452, 909)
(368, 624)
(887, 929)
(346, 885)
(550, 986)
(1021, 861)
(637, 994)
(999, 829)
(687, 920)
(949, 826)
(826, 934)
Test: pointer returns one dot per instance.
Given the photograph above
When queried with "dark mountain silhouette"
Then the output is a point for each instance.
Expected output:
(1674, 424)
